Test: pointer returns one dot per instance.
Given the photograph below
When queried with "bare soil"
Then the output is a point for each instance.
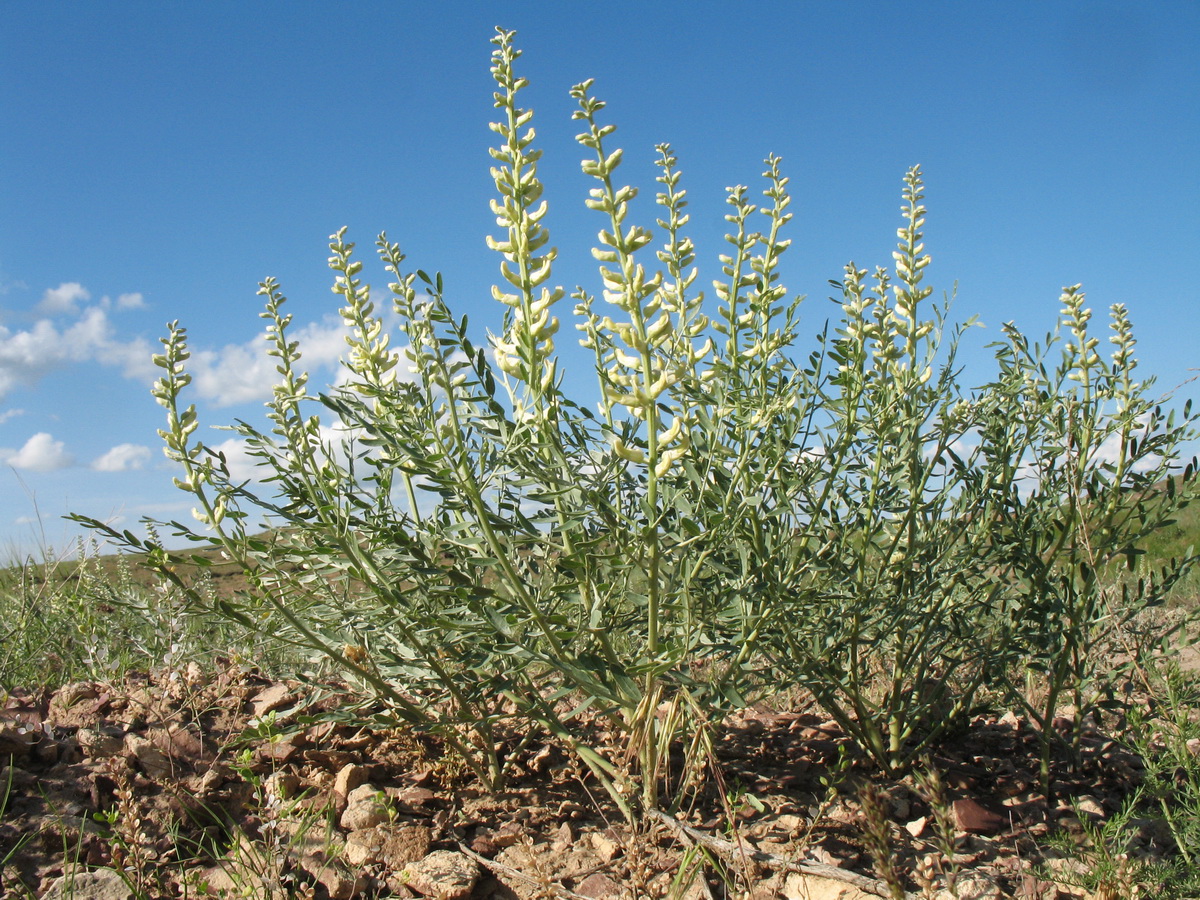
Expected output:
(202, 800)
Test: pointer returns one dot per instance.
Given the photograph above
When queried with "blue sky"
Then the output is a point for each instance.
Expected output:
(158, 160)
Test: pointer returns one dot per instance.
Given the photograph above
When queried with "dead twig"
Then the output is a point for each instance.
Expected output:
(771, 861)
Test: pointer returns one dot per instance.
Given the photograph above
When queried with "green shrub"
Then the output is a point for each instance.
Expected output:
(485, 556)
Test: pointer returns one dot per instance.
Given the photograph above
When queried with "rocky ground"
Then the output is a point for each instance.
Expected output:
(172, 786)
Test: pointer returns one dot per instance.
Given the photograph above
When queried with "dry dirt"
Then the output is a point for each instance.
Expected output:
(199, 803)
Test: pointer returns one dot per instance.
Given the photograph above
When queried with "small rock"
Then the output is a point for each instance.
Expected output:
(540, 761)
(70, 694)
(279, 752)
(819, 854)
(216, 881)
(562, 838)
(1066, 870)
(1090, 806)
(366, 807)
(599, 886)
(333, 760)
(153, 761)
(1033, 888)
(395, 846)
(405, 844)
(99, 884)
(415, 797)
(212, 779)
(98, 743)
(194, 675)
(348, 778)
(270, 699)
(813, 887)
(1012, 720)
(339, 885)
(971, 817)
(606, 848)
(281, 785)
(443, 874)
(1063, 724)
(180, 744)
(364, 847)
(1193, 746)
(916, 826)
(790, 822)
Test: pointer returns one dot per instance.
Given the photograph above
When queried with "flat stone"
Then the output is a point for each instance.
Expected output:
(271, 698)
(99, 884)
(443, 874)
(602, 842)
(405, 844)
(599, 886)
(813, 887)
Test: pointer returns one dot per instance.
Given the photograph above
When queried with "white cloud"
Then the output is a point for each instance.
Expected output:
(63, 299)
(27, 356)
(41, 453)
(10, 414)
(242, 373)
(122, 458)
(233, 374)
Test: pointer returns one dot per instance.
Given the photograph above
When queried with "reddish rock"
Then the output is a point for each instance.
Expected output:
(415, 797)
(278, 752)
(971, 817)
(271, 698)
